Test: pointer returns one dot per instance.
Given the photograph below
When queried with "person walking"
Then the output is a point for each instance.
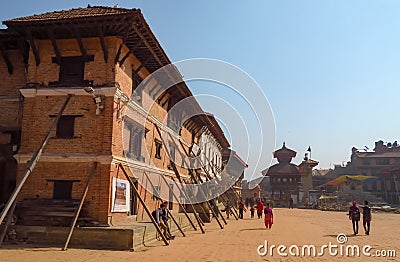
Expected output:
(228, 210)
(252, 209)
(241, 209)
(366, 210)
(165, 217)
(354, 216)
(291, 203)
(260, 208)
(157, 215)
(269, 217)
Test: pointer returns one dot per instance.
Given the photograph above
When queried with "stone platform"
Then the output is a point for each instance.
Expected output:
(129, 237)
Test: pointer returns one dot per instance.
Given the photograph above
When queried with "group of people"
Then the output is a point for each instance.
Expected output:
(161, 215)
(267, 210)
(355, 216)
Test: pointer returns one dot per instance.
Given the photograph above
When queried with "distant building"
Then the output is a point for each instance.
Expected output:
(250, 192)
(285, 178)
(384, 163)
(234, 166)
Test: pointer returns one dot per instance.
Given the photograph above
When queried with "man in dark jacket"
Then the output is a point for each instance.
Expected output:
(366, 217)
(165, 217)
(354, 216)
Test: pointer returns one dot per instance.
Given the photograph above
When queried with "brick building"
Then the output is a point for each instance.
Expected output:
(384, 164)
(100, 56)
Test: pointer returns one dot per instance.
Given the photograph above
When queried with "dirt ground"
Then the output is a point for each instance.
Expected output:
(239, 241)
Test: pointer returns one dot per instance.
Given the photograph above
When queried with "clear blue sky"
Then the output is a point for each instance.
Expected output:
(330, 69)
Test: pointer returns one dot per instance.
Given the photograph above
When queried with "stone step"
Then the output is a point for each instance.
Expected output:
(50, 212)
(129, 237)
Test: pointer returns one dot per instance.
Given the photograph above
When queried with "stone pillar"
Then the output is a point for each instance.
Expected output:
(305, 169)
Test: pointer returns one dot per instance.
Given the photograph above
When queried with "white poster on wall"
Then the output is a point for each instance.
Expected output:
(121, 192)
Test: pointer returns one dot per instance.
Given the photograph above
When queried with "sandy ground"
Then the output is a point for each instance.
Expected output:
(239, 241)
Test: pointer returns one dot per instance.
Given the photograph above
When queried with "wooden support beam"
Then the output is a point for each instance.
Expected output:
(136, 45)
(118, 53)
(80, 43)
(200, 223)
(23, 48)
(8, 223)
(103, 44)
(142, 65)
(183, 193)
(210, 177)
(78, 210)
(6, 58)
(122, 61)
(163, 100)
(144, 205)
(154, 88)
(208, 202)
(139, 33)
(34, 48)
(169, 187)
(55, 47)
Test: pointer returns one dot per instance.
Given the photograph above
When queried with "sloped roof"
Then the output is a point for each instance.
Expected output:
(284, 152)
(92, 21)
(90, 11)
(283, 169)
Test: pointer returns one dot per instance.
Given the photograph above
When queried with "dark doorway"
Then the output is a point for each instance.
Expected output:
(134, 202)
(62, 190)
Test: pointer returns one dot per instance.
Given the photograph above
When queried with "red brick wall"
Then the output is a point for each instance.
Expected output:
(9, 89)
(98, 194)
(101, 72)
(10, 83)
(92, 132)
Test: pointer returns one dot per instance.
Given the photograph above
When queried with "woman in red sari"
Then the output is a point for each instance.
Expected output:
(269, 217)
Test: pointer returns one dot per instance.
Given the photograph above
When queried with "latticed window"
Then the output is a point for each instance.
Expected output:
(135, 135)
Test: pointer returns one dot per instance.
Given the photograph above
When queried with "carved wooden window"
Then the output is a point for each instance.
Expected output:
(72, 69)
(136, 134)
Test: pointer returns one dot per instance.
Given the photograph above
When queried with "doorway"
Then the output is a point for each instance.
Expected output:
(134, 200)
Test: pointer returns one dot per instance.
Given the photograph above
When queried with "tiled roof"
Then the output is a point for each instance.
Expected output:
(284, 152)
(283, 169)
(94, 11)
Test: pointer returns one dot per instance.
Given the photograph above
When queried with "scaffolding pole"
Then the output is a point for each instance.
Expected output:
(180, 204)
(178, 176)
(144, 205)
(173, 219)
(198, 219)
(78, 210)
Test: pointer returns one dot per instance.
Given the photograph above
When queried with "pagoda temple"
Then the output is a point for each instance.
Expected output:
(285, 178)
